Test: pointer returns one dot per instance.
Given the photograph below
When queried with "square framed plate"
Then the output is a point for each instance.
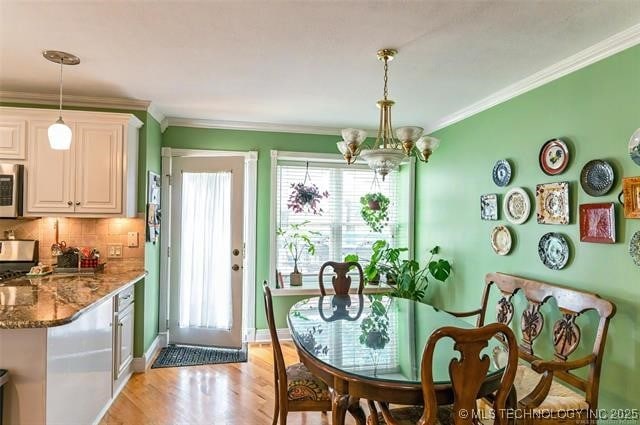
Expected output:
(598, 223)
(552, 203)
(489, 206)
(631, 190)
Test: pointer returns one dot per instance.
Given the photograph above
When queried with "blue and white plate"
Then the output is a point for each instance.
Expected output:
(502, 173)
(553, 250)
(634, 147)
(634, 248)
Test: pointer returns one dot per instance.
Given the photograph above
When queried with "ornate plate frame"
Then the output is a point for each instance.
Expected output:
(542, 253)
(634, 248)
(631, 191)
(584, 182)
(491, 198)
(543, 191)
(634, 146)
(494, 233)
(559, 143)
(494, 173)
(505, 205)
(598, 223)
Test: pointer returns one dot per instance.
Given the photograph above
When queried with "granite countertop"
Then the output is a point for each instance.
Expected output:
(58, 299)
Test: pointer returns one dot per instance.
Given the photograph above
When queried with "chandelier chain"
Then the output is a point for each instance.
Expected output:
(386, 77)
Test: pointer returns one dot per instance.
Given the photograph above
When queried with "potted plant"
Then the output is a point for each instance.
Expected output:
(306, 198)
(374, 210)
(369, 269)
(296, 240)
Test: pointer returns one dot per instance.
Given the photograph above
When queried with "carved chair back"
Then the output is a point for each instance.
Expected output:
(468, 373)
(280, 373)
(566, 333)
(341, 281)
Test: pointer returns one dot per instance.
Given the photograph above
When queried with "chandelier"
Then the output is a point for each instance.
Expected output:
(388, 150)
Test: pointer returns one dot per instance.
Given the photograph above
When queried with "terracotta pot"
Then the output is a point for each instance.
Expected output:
(295, 279)
(374, 205)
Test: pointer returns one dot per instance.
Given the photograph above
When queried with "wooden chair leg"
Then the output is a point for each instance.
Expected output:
(373, 413)
(356, 411)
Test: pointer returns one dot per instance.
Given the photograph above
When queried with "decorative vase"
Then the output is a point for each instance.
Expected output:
(295, 279)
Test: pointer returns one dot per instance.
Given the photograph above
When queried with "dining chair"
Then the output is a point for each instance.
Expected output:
(467, 375)
(341, 281)
(297, 390)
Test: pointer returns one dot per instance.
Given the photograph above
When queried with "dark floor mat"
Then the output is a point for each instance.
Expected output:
(187, 355)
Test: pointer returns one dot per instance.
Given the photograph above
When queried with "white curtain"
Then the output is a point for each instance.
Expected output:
(205, 253)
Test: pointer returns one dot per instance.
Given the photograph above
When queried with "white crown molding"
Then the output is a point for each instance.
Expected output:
(156, 113)
(70, 100)
(250, 126)
(608, 47)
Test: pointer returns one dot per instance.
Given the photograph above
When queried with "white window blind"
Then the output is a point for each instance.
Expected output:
(341, 227)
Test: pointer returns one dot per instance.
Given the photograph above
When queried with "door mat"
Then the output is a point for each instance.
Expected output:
(188, 355)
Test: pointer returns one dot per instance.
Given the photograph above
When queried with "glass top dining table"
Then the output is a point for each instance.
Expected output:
(376, 337)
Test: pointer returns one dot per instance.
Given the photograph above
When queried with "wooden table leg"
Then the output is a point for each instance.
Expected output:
(339, 406)
(356, 411)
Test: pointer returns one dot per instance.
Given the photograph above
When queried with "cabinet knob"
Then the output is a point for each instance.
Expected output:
(69, 203)
(78, 203)
(235, 267)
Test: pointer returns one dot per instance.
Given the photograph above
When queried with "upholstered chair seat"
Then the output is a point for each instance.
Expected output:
(560, 397)
(303, 385)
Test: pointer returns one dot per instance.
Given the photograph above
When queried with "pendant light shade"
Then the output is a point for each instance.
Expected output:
(59, 135)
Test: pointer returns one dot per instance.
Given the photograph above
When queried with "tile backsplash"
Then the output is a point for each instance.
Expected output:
(77, 232)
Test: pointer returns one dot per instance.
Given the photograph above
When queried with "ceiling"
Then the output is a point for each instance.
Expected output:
(298, 62)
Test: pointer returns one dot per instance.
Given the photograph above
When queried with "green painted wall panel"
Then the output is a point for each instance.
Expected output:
(596, 110)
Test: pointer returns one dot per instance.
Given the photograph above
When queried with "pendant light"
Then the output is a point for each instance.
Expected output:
(59, 132)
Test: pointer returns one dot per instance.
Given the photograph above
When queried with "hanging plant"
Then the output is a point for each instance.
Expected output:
(374, 210)
(306, 197)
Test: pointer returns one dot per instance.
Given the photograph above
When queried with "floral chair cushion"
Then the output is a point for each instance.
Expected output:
(303, 385)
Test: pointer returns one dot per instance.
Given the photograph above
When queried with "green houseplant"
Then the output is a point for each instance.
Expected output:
(375, 210)
(297, 240)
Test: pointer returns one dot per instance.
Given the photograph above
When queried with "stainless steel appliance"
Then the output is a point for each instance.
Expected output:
(11, 189)
(17, 257)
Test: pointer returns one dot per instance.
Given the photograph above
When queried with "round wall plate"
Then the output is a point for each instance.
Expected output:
(634, 147)
(501, 240)
(596, 177)
(516, 205)
(554, 157)
(502, 173)
(634, 248)
(553, 250)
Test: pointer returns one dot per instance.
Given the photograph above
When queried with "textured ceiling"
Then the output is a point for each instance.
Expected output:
(302, 62)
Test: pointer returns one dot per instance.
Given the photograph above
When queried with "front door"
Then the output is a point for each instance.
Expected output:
(207, 218)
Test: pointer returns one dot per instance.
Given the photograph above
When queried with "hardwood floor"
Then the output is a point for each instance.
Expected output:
(234, 394)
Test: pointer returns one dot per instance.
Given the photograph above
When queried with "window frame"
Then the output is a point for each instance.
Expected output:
(283, 156)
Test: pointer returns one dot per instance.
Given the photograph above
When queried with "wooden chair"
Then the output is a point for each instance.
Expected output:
(467, 375)
(340, 280)
(543, 386)
(297, 390)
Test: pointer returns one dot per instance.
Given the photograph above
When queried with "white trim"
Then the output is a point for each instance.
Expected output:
(311, 289)
(412, 208)
(141, 364)
(156, 113)
(273, 249)
(251, 126)
(71, 100)
(608, 47)
(262, 335)
(250, 227)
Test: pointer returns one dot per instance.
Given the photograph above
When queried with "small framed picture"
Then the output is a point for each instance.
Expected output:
(631, 191)
(489, 206)
(598, 223)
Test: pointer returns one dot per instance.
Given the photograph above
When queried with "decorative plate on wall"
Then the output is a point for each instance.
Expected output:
(596, 177)
(516, 205)
(489, 206)
(554, 157)
(634, 248)
(553, 250)
(598, 223)
(631, 191)
(552, 203)
(502, 173)
(501, 240)
(634, 147)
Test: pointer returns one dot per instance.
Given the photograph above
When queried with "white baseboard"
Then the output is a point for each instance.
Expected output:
(141, 364)
(262, 335)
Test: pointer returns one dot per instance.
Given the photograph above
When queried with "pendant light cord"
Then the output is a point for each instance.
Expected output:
(60, 104)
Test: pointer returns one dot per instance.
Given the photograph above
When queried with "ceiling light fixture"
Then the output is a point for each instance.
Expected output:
(59, 132)
(387, 152)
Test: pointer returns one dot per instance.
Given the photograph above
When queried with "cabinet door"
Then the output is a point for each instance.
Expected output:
(50, 174)
(13, 137)
(124, 341)
(98, 168)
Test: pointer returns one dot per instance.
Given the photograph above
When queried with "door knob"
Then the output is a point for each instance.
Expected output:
(235, 267)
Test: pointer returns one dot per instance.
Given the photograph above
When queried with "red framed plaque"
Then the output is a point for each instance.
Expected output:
(598, 223)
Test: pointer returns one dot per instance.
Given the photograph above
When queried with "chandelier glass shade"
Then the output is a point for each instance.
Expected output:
(390, 148)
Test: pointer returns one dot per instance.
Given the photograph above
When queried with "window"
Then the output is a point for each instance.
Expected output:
(340, 227)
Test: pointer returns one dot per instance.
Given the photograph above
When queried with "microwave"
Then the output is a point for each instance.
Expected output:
(11, 189)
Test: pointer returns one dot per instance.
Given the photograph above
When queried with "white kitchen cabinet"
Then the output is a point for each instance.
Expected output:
(96, 177)
(13, 137)
(124, 341)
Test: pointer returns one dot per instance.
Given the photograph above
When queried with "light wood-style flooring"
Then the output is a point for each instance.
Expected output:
(234, 394)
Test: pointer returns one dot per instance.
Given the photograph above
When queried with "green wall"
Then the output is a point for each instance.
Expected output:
(263, 142)
(596, 110)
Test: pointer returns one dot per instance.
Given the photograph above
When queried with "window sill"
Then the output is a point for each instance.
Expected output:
(312, 289)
